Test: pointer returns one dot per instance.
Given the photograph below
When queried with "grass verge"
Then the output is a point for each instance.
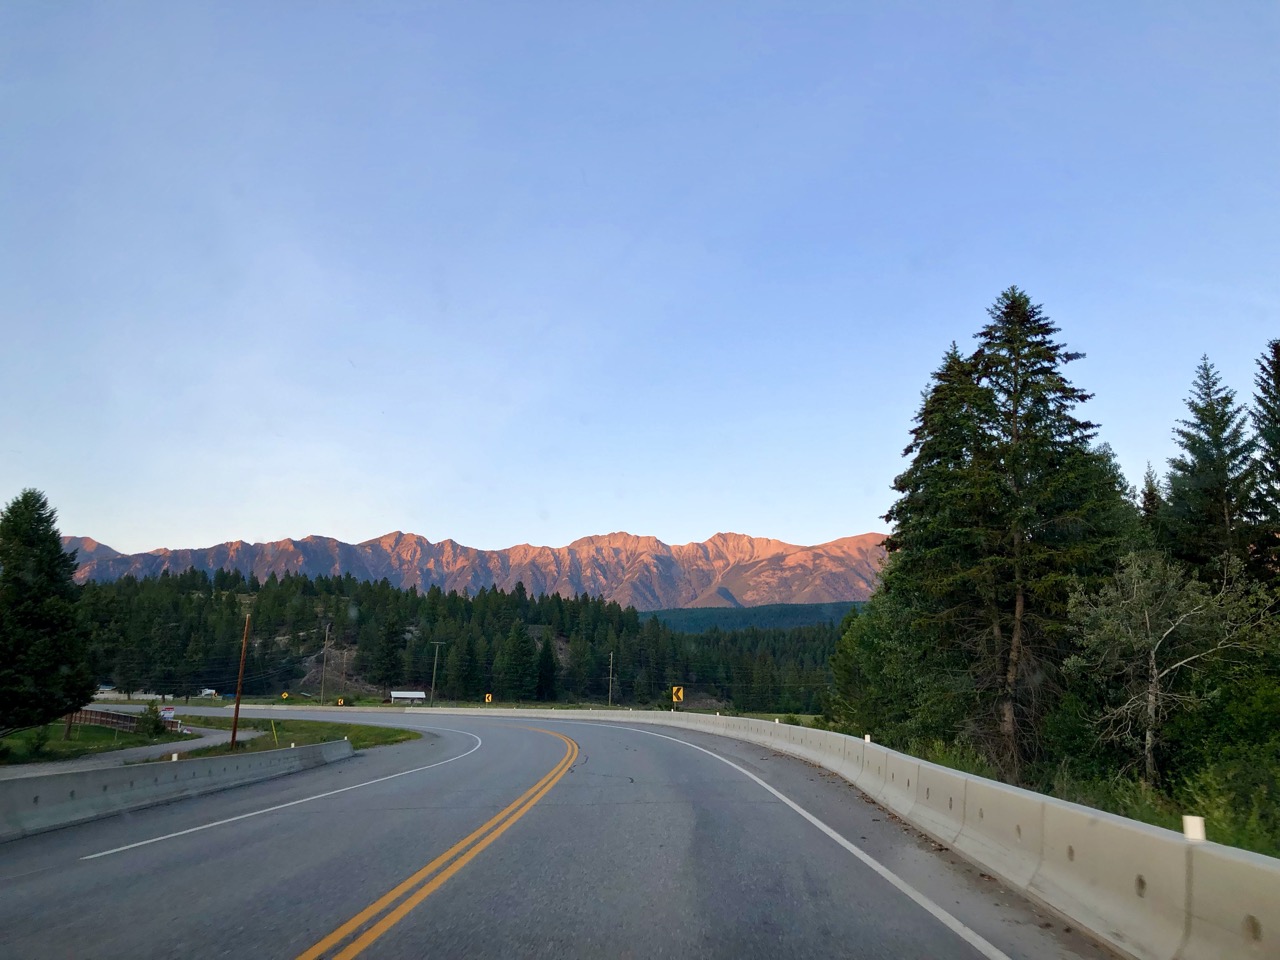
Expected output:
(299, 732)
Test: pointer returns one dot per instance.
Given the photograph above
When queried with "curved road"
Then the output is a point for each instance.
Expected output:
(508, 838)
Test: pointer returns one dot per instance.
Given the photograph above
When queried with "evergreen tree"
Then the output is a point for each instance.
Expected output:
(578, 676)
(485, 656)
(1266, 426)
(941, 541)
(1152, 503)
(44, 671)
(1211, 483)
(387, 667)
(454, 685)
(546, 686)
(516, 669)
(1004, 501)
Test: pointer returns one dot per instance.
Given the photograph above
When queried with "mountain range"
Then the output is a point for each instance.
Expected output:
(729, 570)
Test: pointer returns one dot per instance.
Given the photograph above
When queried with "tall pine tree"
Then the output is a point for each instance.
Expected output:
(547, 668)
(515, 669)
(1004, 503)
(1062, 515)
(1266, 427)
(1211, 482)
(1151, 502)
(44, 671)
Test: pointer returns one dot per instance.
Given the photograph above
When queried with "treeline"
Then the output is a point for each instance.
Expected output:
(1039, 618)
(178, 634)
(781, 616)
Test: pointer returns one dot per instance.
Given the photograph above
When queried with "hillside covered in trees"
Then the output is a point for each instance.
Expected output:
(1040, 619)
(179, 634)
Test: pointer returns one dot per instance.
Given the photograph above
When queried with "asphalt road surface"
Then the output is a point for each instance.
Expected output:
(509, 838)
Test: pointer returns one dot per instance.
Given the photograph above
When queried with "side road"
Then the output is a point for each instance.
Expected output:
(118, 758)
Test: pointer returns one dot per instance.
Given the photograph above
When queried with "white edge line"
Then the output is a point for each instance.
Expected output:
(948, 920)
(294, 803)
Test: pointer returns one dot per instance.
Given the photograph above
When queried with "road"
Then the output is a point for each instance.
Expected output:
(503, 838)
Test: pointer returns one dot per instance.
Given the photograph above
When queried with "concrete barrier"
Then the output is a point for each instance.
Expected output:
(1235, 904)
(35, 804)
(940, 795)
(1003, 829)
(1126, 881)
(902, 774)
(875, 769)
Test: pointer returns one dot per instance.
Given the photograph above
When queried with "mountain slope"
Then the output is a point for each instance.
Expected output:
(729, 570)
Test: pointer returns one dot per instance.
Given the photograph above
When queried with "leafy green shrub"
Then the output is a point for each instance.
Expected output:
(38, 740)
(1237, 796)
(150, 722)
(1122, 795)
(958, 755)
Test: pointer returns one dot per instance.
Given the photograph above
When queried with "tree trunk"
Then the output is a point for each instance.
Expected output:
(1008, 706)
(1153, 695)
(1013, 668)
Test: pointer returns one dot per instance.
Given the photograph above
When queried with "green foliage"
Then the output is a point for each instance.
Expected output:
(1237, 799)
(1005, 501)
(890, 683)
(1126, 796)
(957, 754)
(39, 740)
(515, 671)
(547, 669)
(1265, 513)
(772, 616)
(1149, 639)
(1030, 619)
(1211, 482)
(1152, 505)
(44, 672)
(150, 723)
(385, 636)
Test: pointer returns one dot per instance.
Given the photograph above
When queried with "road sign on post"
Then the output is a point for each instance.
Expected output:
(488, 698)
(340, 702)
(677, 694)
(285, 695)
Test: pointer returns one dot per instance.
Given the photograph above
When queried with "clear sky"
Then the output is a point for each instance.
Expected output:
(525, 272)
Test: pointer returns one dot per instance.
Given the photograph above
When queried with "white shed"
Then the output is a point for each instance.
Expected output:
(408, 696)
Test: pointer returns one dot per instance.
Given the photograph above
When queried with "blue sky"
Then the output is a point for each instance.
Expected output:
(511, 272)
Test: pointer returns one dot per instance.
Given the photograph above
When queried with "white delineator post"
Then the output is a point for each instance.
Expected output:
(1193, 829)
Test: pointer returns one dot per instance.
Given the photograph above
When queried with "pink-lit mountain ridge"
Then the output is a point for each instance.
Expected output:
(729, 570)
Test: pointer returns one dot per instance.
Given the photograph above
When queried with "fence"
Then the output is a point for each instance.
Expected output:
(127, 722)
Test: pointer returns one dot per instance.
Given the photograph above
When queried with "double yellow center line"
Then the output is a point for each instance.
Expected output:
(394, 905)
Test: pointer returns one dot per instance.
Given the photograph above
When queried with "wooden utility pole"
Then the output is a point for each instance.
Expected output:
(244, 649)
(324, 663)
(437, 644)
(611, 678)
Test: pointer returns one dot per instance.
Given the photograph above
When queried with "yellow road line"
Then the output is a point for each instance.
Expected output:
(477, 840)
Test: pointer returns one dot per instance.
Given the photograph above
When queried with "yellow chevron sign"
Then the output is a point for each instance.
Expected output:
(677, 694)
